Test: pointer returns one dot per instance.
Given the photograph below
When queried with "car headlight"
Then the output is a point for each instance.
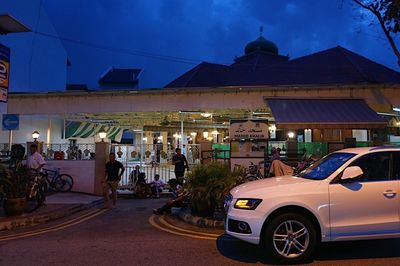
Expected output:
(247, 204)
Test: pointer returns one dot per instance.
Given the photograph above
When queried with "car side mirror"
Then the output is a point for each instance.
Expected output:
(351, 172)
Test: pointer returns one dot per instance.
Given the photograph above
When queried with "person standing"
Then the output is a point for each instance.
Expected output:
(35, 160)
(180, 162)
(114, 172)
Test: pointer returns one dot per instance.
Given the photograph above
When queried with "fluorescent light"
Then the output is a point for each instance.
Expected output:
(396, 109)
(207, 115)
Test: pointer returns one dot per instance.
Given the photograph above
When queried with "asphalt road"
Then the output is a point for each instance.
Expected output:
(124, 236)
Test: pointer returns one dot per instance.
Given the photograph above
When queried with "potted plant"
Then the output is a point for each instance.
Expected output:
(14, 184)
(208, 185)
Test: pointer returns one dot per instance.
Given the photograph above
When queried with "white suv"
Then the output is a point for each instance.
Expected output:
(351, 194)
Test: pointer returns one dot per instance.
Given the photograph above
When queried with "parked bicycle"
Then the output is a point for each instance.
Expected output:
(36, 194)
(253, 172)
(57, 181)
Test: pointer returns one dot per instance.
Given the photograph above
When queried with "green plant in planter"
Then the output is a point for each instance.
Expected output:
(208, 184)
(147, 153)
(17, 182)
(163, 154)
(4, 180)
(13, 186)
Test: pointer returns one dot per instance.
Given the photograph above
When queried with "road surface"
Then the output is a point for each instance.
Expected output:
(124, 236)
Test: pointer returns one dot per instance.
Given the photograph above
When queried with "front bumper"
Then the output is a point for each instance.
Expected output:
(253, 219)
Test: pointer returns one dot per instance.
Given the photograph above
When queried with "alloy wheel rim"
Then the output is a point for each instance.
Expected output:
(291, 239)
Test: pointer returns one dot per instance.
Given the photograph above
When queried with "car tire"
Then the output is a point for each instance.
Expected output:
(290, 238)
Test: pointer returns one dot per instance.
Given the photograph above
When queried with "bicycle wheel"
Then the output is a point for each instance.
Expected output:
(36, 201)
(251, 178)
(63, 183)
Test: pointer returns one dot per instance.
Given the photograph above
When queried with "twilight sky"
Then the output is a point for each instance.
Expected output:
(175, 35)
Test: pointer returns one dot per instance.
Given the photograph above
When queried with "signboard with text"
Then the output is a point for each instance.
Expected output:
(248, 129)
(248, 143)
(4, 72)
(249, 138)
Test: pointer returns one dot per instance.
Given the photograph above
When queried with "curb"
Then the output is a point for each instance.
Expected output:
(185, 215)
(26, 222)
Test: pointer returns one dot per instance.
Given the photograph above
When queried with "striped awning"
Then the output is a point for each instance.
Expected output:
(77, 129)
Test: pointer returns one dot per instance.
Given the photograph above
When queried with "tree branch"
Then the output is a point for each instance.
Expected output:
(378, 15)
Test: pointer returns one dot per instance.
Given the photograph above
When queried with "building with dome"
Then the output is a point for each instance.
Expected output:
(325, 97)
(261, 65)
(317, 102)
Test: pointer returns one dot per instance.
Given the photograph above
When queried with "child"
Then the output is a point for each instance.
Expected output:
(157, 186)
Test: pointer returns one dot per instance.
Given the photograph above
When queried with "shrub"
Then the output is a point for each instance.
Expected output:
(13, 182)
(208, 184)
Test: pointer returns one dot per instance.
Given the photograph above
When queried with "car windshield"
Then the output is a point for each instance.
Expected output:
(326, 166)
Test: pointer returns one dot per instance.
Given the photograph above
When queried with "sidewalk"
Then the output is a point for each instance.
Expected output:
(57, 206)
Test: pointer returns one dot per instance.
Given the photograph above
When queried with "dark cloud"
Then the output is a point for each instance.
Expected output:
(207, 30)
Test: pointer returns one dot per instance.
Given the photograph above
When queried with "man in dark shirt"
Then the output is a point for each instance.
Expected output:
(114, 171)
(180, 162)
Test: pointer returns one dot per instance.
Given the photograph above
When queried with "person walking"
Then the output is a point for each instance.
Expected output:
(180, 162)
(114, 172)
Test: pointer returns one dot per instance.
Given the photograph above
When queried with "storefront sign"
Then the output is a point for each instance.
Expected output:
(248, 129)
(4, 72)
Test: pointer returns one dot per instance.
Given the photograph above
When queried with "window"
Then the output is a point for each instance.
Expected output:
(376, 166)
(326, 166)
(396, 165)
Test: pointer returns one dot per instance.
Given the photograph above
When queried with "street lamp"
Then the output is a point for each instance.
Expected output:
(35, 135)
(102, 135)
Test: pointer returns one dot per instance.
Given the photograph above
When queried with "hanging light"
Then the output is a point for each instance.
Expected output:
(291, 135)
(205, 134)
(215, 132)
(35, 135)
(102, 135)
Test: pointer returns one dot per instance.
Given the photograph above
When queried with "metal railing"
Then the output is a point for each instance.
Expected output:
(152, 159)
(165, 171)
(57, 151)
(69, 152)
(153, 153)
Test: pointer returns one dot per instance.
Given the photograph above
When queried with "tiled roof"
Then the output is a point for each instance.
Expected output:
(336, 66)
(77, 87)
(203, 75)
(121, 76)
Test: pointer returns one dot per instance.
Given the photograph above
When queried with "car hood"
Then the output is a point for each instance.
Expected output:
(273, 186)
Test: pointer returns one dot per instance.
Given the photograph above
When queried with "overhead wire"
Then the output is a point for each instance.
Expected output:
(125, 51)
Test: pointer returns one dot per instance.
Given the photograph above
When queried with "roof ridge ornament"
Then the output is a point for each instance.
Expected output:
(261, 30)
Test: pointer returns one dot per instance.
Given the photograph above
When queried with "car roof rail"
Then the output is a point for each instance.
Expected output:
(385, 147)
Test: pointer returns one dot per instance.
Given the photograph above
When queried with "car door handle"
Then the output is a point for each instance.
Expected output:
(389, 193)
